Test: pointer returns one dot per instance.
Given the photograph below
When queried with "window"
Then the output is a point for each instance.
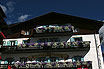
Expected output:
(72, 39)
(16, 42)
(12, 43)
(77, 58)
(25, 32)
(78, 39)
(82, 59)
(4, 43)
(8, 43)
(26, 41)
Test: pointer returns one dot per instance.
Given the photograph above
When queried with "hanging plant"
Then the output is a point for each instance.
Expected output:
(31, 46)
(66, 28)
(86, 43)
(78, 63)
(49, 44)
(70, 64)
(37, 66)
(50, 29)
(61, 45)
(73, 28)
(43, 30)
(65, 44)
(42, 44)
(48, 65)
(16, 65)
(61, 29)
(68, 44)
(84, 63)
(58, 29)
(57, 65)
(35, 44)
(75, 44)
(19, 45)
(24, 45)
(89, 63)
(55, 29)
(64, 64)
(37, 30)
(27, 65)
(54, 45)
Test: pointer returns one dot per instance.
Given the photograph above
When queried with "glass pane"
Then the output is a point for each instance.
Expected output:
(4, 43)
(72, 40)
(8, 43)
(16, 42)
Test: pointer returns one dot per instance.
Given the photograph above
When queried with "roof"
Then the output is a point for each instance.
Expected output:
(84, 32)
(3, 26)
(57, 18)
(2, 14)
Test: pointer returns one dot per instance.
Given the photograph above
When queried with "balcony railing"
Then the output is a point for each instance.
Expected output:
(47, 47)
(54, 29)
(58, 64)
(78, 64)
(55, 45)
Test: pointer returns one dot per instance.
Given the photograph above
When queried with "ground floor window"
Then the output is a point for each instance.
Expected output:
(74, 39)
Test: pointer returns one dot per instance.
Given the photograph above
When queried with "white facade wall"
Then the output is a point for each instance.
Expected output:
(90, 56)
(20, 40)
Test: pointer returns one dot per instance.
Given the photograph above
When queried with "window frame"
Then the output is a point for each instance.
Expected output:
(81, 39)
(4, 44)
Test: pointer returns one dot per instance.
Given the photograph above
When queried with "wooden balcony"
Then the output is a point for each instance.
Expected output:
(54, 31)
(48, 47)
(51, 65)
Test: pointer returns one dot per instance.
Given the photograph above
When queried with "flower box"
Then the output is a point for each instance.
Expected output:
(77, 44)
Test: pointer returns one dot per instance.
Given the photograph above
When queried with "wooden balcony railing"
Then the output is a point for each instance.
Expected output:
(47, 47)
(78, 64)
(54, 45)
(56, 29)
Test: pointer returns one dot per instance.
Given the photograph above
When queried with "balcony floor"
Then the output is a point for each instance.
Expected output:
(32, 50)
(53, 34)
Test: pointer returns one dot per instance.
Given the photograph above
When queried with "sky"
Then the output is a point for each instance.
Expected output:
(21, 10)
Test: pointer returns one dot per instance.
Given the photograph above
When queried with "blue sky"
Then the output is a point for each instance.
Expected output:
(21, 10)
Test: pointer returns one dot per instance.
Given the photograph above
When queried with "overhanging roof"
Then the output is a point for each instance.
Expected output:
(3, 26)
(2, 14)
(58, 18)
